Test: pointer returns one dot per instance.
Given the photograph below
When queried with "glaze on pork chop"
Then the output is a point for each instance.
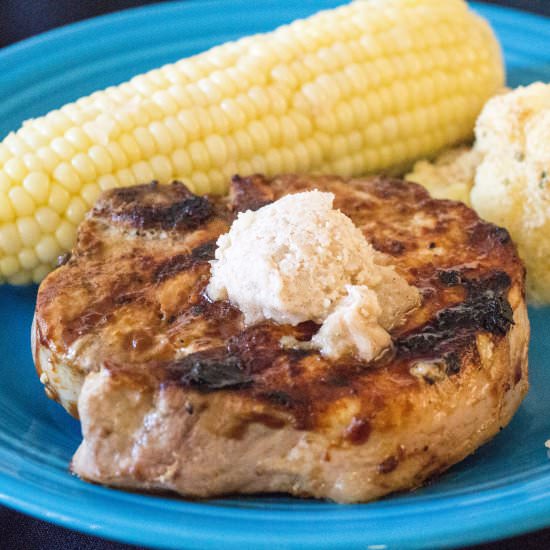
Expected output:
(175, 394)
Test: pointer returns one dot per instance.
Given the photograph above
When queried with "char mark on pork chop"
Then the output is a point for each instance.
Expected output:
(181, 262)
(155, 207)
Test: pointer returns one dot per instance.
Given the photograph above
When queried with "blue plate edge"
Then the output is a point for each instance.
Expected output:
(508, 528)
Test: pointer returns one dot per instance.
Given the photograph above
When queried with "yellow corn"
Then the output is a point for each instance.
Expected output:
(362, 88)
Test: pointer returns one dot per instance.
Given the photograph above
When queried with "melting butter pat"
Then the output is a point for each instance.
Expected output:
(299, 259)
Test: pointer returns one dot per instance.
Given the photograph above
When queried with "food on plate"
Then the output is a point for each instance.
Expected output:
(298, 259)
(506, 176)
(365, 87)
(451, 175)
(175, 391)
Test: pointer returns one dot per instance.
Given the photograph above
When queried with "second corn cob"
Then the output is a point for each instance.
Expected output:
(362, 88)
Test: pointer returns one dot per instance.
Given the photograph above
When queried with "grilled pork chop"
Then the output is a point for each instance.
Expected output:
(174, 393)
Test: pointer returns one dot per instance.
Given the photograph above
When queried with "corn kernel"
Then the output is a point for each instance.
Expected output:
(46, 128)
(247, 106)
(344, 114)
(124, 178)
(221, 123)
(244, 144)
(48, 249)
(198, 97)
(130, 148)
(158, 78)
(390, 128)
(124, 120)
(77, 138)
(68, 177)
(38, 185)
(136, 112)
(10, 241)
(33, 163)
(90, 193)
(59, 120)
(219, 78)
(190, 123)
(162, 168)
(7, 213)
(5, 182)
(216, 149)
(303, 124)
(283, 74)
(101, 159)
(289, 160)
(218, 181)
(273, 161)
(259, 135)
(151, 110)
(117, 155)
(107, 182)
(261, 99)
(34, 139)
(232, 148)
(47, 219)
(244, 168)
(59, 198)
(80, 112)
(142, 85)
(342, 166)
(199, 182)
(63, 148)
(29, 230)
(273, 127)
(289, 131)
(162, 137)
(76, 210)
(20, 278)
(28, 258)
(303, 158)
(145, 141)
(142, 172)
(235, 114)
(205, 122)
(385, 155)
(21, 201)
(49, 159)
(211, 90)
(9, 266)
(84, 167)
(66, 234)
(40, 272)
(199, 156)
(339, 148)
(15, 168)
(17, 146)
(315, 152)
(258, 164)
(5, 153)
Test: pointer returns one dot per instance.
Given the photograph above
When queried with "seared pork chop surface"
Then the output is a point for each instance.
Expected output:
(175, 393)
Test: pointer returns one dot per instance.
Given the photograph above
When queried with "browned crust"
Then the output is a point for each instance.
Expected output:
(133, 292)
(173, 207)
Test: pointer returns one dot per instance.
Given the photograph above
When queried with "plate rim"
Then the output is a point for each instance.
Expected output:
(22, 495)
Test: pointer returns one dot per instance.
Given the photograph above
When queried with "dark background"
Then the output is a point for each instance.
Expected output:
(20, 19)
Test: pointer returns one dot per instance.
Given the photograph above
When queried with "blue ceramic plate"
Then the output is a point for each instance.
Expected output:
(503, 490)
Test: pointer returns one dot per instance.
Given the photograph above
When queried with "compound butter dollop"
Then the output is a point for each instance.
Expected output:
(299, 259)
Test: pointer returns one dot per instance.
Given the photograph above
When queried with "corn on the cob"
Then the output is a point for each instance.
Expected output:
(357, 89)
